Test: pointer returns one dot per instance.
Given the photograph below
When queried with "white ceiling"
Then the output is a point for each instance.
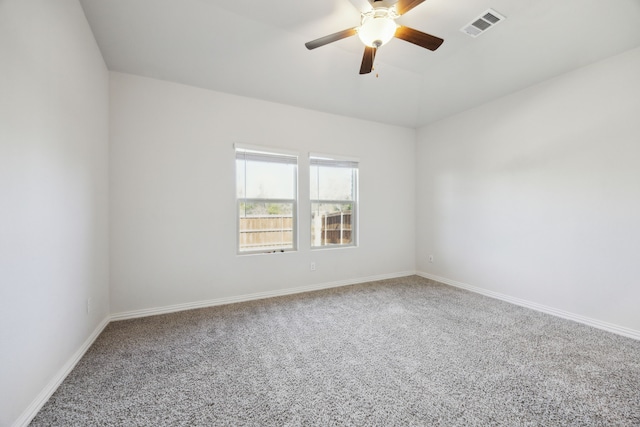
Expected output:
(256, 48)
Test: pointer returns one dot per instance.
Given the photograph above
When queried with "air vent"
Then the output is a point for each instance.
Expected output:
(482, 23)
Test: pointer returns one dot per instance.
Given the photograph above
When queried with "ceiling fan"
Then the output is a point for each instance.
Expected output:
(377, 27)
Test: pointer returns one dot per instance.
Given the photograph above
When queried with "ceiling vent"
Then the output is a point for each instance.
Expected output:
(482, 23)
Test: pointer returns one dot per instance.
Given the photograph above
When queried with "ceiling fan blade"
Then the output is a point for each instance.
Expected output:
(330, 38)
(367, 60)
(361, 5)
(419, 38)
(404, 6)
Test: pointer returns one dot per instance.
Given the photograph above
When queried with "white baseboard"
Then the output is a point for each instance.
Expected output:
(250, 297)
(51, 387)
(609, 327)
(32, 410)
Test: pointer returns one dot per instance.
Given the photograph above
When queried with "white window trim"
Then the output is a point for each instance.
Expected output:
(327, 159)
(338, 158)
(265, 150)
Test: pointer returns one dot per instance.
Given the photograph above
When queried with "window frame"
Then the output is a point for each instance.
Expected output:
(329, 160)
(277, 155)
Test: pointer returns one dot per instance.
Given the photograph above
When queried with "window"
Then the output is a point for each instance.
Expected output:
(334, 201)
(266, 184)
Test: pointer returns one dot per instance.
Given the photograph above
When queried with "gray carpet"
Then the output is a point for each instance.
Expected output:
(406, 351)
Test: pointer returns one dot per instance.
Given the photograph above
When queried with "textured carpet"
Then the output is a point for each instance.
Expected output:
(406, 351)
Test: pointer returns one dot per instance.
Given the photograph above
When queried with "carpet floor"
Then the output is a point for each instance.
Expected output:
(399, 352)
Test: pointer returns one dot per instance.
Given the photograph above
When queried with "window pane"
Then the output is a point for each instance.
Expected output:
(313, 181)
(266, 190)
(266, 226)
(334, 187)
(269, 180)
(335, 183)
(331, 224)
(240, 182)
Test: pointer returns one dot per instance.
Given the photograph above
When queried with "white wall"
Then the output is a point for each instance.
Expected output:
(53, 194)
(537, 195)
(173, 237)
(533, 196)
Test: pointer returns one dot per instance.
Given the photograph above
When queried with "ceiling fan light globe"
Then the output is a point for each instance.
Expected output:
(375, 32)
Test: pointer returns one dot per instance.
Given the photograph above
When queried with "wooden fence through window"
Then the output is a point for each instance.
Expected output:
(275, 232)
(268, 232)
(336, 228)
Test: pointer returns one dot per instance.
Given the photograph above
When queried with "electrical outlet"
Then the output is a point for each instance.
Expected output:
(313, 266)
(430, 258)
(89, 305)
